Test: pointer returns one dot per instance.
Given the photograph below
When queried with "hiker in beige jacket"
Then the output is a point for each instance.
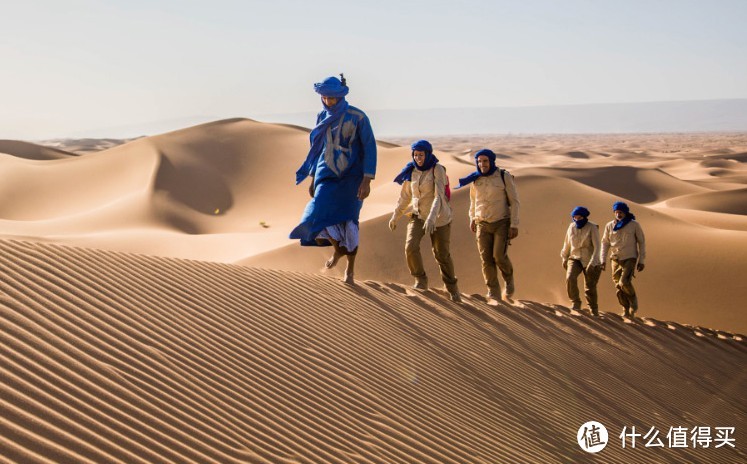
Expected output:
(494, 218)
(580, 255)
(624, 242)
(424, 199)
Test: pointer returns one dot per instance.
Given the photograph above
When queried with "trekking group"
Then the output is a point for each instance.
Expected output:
(342, 162)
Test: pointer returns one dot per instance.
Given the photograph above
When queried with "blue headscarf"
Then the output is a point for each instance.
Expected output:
(580, 211)
(476, 175)
(430, 161)
(329, 87)
(620, 206)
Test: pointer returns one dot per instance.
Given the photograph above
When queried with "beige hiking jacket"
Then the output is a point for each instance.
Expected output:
(425, 195)
(492, 199)
(628, 242)
(582, 244)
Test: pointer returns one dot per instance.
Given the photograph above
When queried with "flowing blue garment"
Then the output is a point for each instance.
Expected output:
(348, 152)
(327, 118)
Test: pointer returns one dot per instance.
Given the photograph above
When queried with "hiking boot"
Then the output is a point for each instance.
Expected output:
(455, 297)
(421, 284)
(594, 312)
(633, 311)
(492, 295)
(508, 291)
(576, 306)
(625, 313)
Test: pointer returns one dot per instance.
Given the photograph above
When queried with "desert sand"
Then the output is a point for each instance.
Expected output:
(154, 309)
(112, 357)
(224, 192)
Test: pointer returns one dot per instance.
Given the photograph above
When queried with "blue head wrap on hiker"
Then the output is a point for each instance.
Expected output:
(331, 87)
(329, 116)
(620, 206)
(476, 175)
(430, 161)
(580, 211)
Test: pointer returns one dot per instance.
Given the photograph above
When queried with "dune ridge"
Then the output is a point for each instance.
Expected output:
(33, 151)
(224, 191)
(111, 357)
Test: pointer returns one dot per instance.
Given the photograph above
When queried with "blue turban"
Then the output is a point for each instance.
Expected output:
(430, 161)
(422, 145)
(620, 206)
(476, 175)
(331, 87)
(580, 211)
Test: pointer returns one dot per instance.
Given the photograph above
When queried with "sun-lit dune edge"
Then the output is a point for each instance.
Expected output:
(110, 357)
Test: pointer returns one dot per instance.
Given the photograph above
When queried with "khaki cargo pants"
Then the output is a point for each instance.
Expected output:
(591, 278)
(440, 241)
(622, 275)
(492, 243)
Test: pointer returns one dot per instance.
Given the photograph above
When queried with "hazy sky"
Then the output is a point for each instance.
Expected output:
(68, 66)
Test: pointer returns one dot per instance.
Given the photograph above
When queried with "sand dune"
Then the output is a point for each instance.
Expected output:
(633, 183)
(730, 201)
(740, 157)
(224, 192)
(206, 192)
(690, 267)
(174, 192)
(32, 151)
(111, 357)
(83, 146)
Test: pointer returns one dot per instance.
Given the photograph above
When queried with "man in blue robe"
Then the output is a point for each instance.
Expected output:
(341, 163)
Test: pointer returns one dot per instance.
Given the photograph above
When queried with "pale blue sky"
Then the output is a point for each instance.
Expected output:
(70, 66)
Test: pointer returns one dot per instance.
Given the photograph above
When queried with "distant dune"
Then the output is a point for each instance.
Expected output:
(730, 201)
(111, 357)
(224, 192)
(32, 151)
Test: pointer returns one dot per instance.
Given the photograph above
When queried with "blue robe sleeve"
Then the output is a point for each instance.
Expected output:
(368, 142)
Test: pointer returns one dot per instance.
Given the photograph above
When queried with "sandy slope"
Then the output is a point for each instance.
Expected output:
(224, 192)
(111, 357)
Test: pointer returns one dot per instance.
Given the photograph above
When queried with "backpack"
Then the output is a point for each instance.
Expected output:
(447, 189)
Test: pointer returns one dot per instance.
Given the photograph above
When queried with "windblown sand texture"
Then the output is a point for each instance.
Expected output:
(112, 357)
(225, 192)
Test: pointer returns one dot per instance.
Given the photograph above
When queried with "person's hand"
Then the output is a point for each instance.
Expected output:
(393, 222)
(565, 264)
(430, 226)
(473, 225)
(365, 188)
(640, 267)
(311, 189)
(513, 233)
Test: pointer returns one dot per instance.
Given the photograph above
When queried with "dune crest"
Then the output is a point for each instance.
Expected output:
(32, 151)
(224, 191)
